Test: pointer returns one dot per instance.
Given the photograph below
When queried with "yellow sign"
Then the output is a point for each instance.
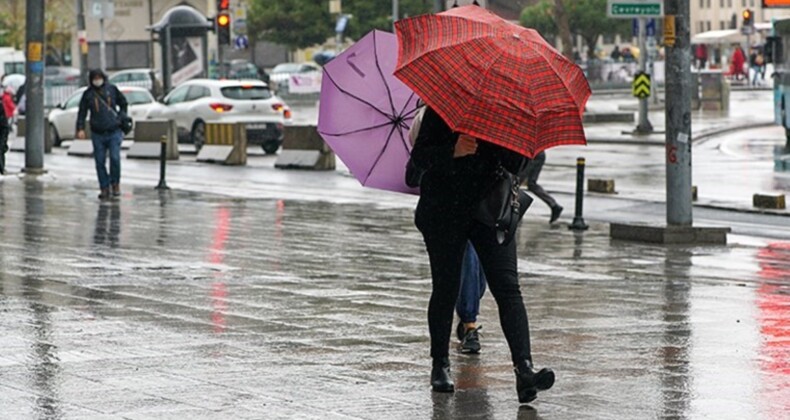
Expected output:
(669, 30)
(35, 51)
(641, 85)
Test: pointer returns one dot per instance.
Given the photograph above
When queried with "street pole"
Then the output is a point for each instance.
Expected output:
(438, 6)
(83, 41)
(644, 125)
(34, 87)
(102, 50)
(395, 10)
(678, 117)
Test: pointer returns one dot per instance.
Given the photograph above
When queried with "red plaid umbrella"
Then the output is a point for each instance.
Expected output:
(492, 79)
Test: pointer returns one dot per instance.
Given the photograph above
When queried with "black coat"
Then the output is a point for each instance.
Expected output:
(4, 127)
(453, 185)
(98, 102)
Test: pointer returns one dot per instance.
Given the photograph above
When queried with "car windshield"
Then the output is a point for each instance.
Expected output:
(286, 68)
(246, 92)
(136, 97)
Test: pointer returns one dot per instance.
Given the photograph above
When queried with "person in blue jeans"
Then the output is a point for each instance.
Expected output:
(105, 103)
(473, 287)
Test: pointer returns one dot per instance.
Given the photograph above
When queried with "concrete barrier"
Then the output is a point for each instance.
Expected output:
(605, 186)
(18, 144)
(769, 201)
(303, 148)
(147, 139)
(225, 144)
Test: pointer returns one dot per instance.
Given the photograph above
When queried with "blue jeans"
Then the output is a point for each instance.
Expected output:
(103, 143)
(473, 286)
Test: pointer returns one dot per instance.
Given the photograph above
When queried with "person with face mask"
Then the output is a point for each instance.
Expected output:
(106, 104)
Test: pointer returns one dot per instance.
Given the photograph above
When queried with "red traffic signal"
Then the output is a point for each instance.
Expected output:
(223, 5)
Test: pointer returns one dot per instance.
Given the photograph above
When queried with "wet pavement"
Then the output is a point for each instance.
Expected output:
(280, 306)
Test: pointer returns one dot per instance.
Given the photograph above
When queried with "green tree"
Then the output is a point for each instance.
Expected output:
(303, 23)
(293, 23)
(586, 18)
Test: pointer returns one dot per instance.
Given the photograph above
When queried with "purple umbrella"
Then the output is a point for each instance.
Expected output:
(366, 112)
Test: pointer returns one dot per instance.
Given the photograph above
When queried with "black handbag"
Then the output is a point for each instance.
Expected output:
(125, 122)
(503, 208)
(413, 174)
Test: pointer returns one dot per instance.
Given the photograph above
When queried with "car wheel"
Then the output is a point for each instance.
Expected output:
(271, 148)
(198, 135)
(56, 140)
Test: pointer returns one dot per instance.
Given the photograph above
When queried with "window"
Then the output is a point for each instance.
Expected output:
(751, 3)
(721, 4)
(708, 4)
(721, 25)
(177, 96)
(246, 92)
(197, 92)
(729, 3)
(702, 4)
(137, 97)
(709, 25)
(74, 101)
(743, 3)
(138, 77)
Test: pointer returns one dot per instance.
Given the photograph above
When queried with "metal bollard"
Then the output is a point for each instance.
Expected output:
(578, 220)
(162, 163)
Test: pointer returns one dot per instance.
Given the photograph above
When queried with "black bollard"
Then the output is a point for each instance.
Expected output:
(578, 220)
(162, 163)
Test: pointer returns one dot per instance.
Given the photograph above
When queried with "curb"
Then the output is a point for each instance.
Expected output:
(698, 139)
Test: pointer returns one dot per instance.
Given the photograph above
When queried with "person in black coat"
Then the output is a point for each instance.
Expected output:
(5, 129)
(106, 104)
(459, 173)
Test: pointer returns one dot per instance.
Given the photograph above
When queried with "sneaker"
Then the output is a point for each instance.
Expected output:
(555, 213)
(471, 341)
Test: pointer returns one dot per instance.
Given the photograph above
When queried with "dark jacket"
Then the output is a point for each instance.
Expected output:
(4, 129)
(99, 102)
(456, 185)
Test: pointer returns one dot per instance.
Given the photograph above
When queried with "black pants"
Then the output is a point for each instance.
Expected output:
(445, 238)
(533, 172)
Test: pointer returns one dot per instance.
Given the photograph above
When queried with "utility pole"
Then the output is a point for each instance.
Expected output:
(102, 46)
(678, 116)
(395, 12)
(644, 125)
(82, 37)
(34, 87)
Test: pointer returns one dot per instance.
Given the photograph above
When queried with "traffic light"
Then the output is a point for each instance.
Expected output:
(748, 18)
(223, 22)
(223, 28)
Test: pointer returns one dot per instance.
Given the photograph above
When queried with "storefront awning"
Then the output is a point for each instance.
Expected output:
(724, 36)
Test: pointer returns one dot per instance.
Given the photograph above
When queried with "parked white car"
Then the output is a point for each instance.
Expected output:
(282, 72)
(196, 102)
(63, 119)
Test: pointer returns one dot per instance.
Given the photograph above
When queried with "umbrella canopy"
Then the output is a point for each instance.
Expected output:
(365, 112)
(493, 79)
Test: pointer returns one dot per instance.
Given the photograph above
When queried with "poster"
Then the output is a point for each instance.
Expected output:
(186, 59)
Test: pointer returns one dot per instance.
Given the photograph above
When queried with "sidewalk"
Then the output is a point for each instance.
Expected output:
(194, 305)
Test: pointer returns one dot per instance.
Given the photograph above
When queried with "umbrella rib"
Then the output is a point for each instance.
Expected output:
(381, 74)
(381, 153)
(328, 74)
(357, 131)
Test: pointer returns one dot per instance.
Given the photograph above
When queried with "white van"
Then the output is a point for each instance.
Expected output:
(11, 61)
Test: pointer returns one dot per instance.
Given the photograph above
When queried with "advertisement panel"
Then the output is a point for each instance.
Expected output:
(776, 3)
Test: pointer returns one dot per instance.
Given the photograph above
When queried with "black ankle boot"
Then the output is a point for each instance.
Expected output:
(529, 382)
(440, 376)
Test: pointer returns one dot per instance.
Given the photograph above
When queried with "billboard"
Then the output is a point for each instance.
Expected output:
(776, 3)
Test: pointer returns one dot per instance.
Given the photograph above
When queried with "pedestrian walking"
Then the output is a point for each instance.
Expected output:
(615, 55)
(8, 102)
(701, 55)
(5, 129)
(105, 103)
(458, 173)
(473, 287)
(532, 173)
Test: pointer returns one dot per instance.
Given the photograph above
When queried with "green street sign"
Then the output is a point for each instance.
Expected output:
(628, 9)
